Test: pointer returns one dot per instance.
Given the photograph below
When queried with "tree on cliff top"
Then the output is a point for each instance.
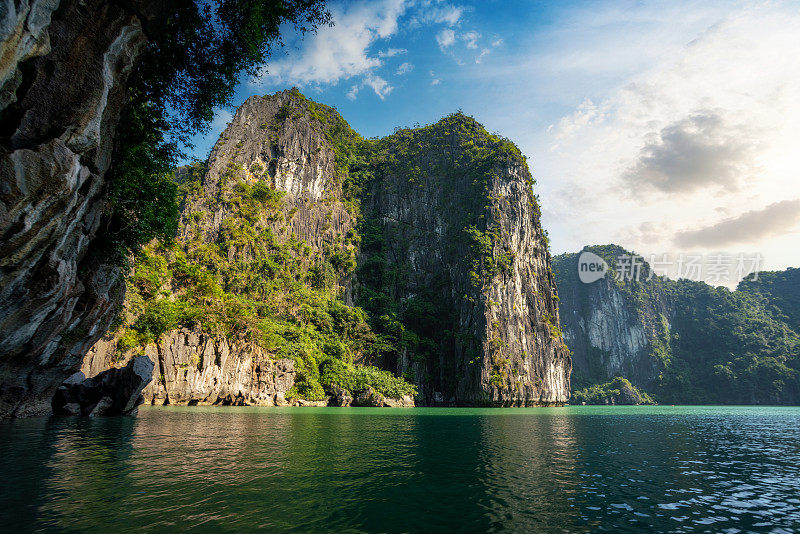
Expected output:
(195, 54)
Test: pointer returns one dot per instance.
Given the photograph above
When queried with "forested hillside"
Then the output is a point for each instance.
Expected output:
(685, 342)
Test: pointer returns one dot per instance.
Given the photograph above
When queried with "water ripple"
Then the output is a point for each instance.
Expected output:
(359, 470)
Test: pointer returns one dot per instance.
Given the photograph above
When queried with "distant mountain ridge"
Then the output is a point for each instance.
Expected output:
(683, 341)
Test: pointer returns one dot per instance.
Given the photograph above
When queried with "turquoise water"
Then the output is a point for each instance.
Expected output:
(576, 469)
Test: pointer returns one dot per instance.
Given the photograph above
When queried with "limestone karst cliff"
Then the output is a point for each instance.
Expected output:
(614, 327)
(682, 341)
(420, 254)
(61, 95)
(453, 246)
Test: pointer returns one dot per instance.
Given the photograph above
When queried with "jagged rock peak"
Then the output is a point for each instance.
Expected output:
(428, 241)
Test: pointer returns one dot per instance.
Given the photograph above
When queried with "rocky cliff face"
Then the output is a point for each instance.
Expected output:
(303, 243)
(290, 154)
(683, 341)
(194, 368)
(60, 98)
(459, 248)
(614, 327)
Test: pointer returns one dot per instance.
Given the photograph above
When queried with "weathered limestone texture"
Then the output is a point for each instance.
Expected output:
(63, 68)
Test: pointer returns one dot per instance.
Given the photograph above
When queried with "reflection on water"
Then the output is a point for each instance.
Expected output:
(527, 473)
(571, 469)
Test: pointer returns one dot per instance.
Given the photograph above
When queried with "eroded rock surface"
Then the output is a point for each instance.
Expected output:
(194, 368)
(115, 391)
(61, 95)
(614, 327)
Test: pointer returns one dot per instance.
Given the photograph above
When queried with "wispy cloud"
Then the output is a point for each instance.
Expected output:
(437, 12)
(446, 38)
(470, 39)
(379, 85)
(748, 228)
(391, 52)
(404, 68)
(460, 45)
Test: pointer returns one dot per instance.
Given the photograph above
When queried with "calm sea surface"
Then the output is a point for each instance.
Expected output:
(575, 469)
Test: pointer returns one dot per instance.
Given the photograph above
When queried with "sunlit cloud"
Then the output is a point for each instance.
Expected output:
(698, 133)
(776, 219)
(340, 51)
(701, 150)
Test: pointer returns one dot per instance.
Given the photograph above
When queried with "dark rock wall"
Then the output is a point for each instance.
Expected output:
(63, 67)
(505, 347)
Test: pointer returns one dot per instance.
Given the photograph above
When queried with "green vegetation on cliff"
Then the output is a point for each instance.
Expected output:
(733, 347)
(257, 282)
(193, 58)
(455, 149)
(705, 345)
(618, 391)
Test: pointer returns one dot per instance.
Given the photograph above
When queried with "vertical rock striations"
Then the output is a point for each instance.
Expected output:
(459, 255)
(61, 94)
(614, 327)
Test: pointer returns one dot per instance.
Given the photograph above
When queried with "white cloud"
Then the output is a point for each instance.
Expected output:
(379, 85)
(434, 12)
(694, 152)
(445, 38)
(586, 114)
(347, 50)
(340, 51)
(471, 39)
(436, 81)
(404, 68)
(776, 219)
(688, 133)
(391, 52)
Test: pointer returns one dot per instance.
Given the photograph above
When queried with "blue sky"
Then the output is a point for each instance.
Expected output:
(666, 127)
